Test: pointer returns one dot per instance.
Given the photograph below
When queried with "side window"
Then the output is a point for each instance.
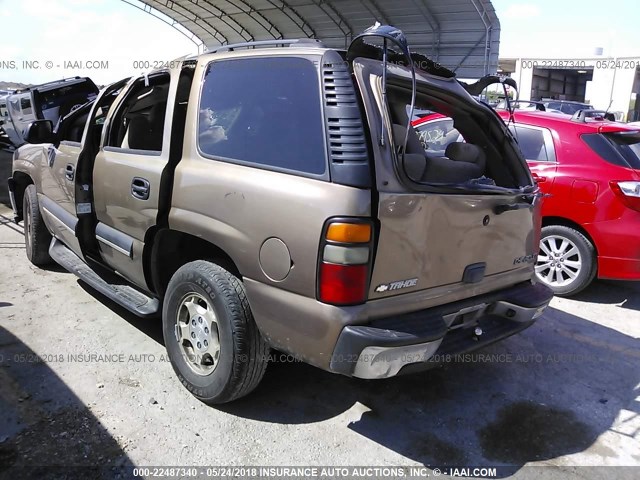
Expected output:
(139, 122)
(436, 135)
(25, 106)
(73, 127)
(264, 111)
(535, 143)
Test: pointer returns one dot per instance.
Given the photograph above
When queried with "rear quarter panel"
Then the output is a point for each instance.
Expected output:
(238, 207)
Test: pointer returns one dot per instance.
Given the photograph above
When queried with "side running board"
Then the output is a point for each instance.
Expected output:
(108, 284)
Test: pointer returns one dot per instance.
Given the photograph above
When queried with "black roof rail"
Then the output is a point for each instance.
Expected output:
(295, 42)
(582, 115)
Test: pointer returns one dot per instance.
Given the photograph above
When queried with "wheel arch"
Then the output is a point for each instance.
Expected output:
(565, 222)
(171, 249)
(22, 181)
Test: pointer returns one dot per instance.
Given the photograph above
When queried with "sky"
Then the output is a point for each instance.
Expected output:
(118, 36)
(568, 28)
(73, 31)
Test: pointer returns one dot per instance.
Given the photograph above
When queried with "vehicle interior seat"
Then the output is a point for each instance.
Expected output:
(462, 161)
(415, 160)
(145, 131)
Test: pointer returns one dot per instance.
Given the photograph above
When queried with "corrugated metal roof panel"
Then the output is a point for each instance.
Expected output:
(462, 35)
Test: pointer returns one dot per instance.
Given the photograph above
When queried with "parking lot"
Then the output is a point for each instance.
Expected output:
(91, 382)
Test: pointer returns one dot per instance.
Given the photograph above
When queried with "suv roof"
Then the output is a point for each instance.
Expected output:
(293, 42)
(560, 120)
(54, 84)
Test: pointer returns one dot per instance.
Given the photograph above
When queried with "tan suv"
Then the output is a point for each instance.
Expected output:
(276, 197)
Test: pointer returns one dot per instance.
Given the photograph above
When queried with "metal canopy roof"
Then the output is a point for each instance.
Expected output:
(462, 35)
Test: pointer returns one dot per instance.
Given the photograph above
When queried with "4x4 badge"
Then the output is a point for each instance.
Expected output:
(384, 287)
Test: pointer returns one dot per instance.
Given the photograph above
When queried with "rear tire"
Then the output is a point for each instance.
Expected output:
(567, 261)
(212, 340)
(36, 236)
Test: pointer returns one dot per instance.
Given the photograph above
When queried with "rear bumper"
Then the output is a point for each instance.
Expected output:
(386, 346)
(618, 247)
(618, 268)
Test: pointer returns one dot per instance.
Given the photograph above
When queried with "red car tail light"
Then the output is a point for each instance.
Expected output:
(345, 260)
(628, 192)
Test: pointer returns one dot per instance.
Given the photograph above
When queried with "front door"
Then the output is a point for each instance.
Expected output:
(58, 192)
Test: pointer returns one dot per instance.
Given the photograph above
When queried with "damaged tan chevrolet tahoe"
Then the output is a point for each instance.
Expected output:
(274, 195)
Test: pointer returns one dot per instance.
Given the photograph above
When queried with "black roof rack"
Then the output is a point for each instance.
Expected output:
(582, 115)
(295, 42)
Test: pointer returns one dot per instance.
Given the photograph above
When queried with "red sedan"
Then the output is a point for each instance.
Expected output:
(591, 170)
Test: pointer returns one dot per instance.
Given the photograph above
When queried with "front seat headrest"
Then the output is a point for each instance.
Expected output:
(466, 152)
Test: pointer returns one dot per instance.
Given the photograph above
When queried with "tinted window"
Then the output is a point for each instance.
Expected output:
(25, 105)
(621, 149)
(263, 111)
(531, 143)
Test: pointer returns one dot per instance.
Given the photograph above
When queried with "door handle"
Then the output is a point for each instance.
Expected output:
(140, 188)
(70, 171)
(538, 178)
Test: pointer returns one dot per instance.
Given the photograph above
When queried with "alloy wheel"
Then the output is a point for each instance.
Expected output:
(559, 261)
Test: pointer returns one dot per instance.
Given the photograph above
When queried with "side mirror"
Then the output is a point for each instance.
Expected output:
(40, 131)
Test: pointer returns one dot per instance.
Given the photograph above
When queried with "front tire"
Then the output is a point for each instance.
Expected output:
(212, 340)
(567, 260)
(36, 236)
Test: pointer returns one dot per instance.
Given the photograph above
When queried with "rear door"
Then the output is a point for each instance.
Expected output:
(127, 173)
(537, 147)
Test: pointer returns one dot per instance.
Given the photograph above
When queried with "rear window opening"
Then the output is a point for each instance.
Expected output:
(449, 145)
(618, 148)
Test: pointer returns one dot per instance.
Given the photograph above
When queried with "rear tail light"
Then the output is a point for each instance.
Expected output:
(345, 260)
(628, 192)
